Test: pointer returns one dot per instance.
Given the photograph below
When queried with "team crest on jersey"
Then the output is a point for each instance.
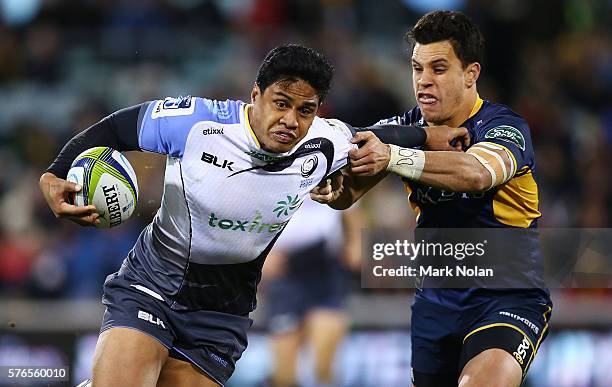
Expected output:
(309, 166)
(180, 106)
(508, 134)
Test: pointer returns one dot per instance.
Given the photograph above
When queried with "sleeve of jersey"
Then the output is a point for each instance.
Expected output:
(341, 138)
(510, 134)
(164, 125)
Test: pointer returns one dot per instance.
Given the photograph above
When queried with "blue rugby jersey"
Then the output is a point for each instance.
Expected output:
(513, 204)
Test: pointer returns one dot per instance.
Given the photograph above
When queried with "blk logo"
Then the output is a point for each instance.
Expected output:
(214, 160)
(150, 318)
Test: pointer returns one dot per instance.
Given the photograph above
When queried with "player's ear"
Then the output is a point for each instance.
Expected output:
(472, 72)
(255, 92)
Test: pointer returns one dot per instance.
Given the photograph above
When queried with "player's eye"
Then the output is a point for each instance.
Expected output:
(306, 111)
(418, 69)
(280, 104)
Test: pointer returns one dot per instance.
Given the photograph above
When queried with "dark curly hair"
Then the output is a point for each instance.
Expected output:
(455, 26)
(292, 62)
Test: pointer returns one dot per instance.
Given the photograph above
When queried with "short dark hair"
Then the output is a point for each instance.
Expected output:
(455, 26)
(292, 62)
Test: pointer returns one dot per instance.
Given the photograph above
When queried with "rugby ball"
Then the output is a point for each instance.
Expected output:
(108, 182)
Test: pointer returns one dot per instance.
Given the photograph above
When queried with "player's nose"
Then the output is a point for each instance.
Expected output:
(425, 79)
(289, 119)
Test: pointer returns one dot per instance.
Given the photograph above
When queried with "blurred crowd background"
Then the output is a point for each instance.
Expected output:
(66, 64)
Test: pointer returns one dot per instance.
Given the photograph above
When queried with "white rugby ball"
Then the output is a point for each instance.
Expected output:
(108, 182)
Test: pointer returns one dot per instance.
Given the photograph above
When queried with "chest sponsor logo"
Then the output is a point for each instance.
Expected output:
(309, 165)
(214, 160)
(254, 225)
(508, 134)
(208, 131)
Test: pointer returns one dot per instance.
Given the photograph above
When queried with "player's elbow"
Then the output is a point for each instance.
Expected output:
(475, 179)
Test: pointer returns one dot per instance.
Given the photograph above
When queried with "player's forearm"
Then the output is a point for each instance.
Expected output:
(118, 131)
(400, 135)
(353, 188)
(344, 192)
(454, 171)
(450, 171)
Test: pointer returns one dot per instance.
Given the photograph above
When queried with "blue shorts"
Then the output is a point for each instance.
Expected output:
(315, 279)
(445, 339)
(212, 341)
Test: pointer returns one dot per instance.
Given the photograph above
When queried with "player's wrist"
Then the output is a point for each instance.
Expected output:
(406, 162)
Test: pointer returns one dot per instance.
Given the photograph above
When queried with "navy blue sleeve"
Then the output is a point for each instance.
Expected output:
(510, 132)
(118, 131)
(400, 135)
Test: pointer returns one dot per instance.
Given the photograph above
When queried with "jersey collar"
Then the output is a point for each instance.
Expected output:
(248, 125)
(255, 145)
(477, 106)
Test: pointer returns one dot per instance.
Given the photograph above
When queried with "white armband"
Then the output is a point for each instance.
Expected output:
(406, 162)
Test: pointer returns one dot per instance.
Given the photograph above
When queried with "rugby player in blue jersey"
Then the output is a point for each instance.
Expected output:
(177, 311)
(471, 336)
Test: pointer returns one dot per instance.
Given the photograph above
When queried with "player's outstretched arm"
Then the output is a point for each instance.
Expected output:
(437, 138)
(479, 169)
(56, 192)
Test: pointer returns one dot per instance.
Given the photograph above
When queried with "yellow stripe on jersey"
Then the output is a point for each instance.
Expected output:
(516, 202)
(415, 207)
(248, 124)
(477, 106)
